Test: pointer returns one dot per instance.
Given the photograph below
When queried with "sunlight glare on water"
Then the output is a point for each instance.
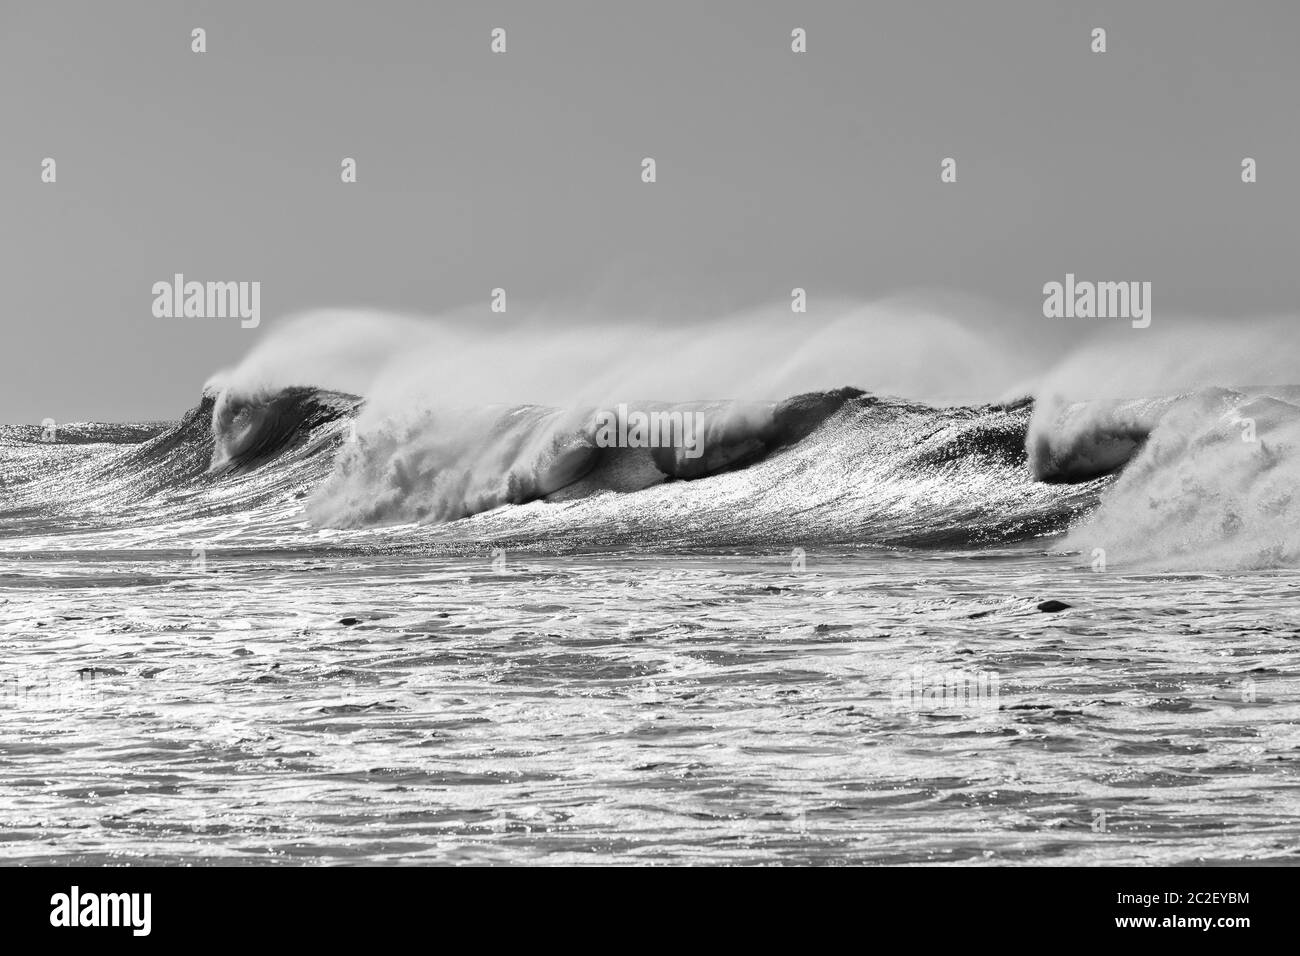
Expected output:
(625, 707)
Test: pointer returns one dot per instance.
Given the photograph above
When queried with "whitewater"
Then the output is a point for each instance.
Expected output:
(381, 595)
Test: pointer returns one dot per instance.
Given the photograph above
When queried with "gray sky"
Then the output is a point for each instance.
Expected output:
(475, 171)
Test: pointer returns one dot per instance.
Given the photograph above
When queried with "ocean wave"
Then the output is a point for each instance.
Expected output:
(438, 465)
(1152, 482)
(1206, 480)
(839, 465)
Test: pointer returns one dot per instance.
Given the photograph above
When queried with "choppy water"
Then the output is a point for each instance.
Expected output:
(641, 707)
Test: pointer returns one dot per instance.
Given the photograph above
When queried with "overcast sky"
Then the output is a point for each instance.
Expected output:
(523, 170)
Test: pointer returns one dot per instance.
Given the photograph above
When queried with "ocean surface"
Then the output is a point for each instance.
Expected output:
(267, 650)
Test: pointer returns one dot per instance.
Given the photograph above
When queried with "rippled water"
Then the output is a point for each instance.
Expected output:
(628, 707)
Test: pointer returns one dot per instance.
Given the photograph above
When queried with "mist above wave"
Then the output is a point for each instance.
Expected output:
(565, 360)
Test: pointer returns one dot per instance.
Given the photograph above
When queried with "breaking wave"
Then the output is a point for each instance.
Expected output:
(412, 456)
(1206, 480)
(836, 466)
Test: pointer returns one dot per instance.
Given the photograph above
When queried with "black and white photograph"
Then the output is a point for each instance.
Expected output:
(650, 434)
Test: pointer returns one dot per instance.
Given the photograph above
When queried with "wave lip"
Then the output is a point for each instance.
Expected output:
(1089, 440)
(249, 431)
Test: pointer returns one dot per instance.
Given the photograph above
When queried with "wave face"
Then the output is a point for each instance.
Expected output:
(215, 462)
(1202, 480)
(439, 465)
(837, 466)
